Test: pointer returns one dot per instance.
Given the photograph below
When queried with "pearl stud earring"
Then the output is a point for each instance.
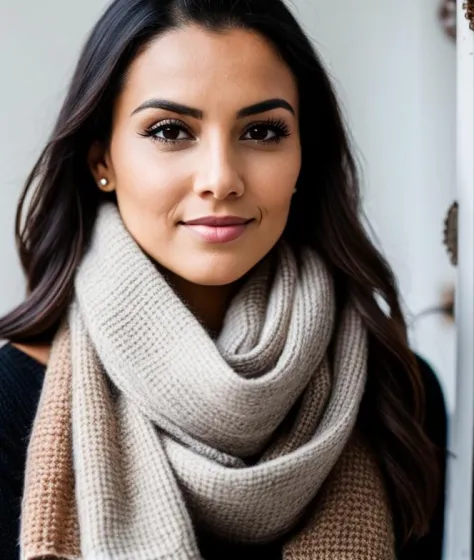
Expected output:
(104, 182)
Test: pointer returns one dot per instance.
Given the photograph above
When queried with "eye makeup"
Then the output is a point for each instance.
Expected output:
(172, 129)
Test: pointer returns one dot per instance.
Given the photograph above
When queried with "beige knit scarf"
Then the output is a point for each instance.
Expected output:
(148, 431)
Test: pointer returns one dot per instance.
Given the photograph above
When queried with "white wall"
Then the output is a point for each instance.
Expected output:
(39, 43)
(395, 72)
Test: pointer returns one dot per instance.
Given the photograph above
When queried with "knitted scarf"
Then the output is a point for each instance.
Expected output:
(148, 431)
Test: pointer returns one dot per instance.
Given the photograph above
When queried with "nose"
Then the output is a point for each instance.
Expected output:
(219, 174)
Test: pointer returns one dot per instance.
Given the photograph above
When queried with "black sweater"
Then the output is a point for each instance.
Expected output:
(21, 379)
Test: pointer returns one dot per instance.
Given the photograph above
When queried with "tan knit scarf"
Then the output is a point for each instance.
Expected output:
(148, 431)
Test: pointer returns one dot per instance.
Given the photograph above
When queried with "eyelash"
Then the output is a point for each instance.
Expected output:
(278, 126)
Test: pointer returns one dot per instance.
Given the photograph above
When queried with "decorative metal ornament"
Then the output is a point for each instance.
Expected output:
(451, 233)
(447, 15)
(468, 7)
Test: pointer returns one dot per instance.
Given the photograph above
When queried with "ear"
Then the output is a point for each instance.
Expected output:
(100, 165)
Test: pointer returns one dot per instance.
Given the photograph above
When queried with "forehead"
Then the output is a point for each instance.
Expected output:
(211, 70)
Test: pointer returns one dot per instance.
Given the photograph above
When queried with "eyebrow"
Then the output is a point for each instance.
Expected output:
(173, 107)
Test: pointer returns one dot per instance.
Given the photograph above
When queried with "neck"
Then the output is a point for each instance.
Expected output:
(39, 352)
(208, 303)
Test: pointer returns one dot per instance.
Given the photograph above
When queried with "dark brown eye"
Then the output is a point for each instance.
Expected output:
(260, 132)
(270, 131)
(168, 131)
(171, 132)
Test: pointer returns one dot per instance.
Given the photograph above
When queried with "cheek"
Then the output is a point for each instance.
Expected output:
(146, 180)
(149, 188)
(274, 185)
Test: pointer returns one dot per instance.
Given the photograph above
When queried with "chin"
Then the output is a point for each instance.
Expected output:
(217, 272)
(211, 279)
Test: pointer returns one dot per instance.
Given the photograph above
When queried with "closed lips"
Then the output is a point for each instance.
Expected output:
(215, 229)
(216, 221)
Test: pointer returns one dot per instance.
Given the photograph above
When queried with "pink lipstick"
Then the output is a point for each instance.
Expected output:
(218, 229)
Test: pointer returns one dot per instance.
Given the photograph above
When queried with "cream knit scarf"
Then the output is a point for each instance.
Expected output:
(148, 431)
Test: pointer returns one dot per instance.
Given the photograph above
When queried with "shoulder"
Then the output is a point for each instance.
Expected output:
(21, 379)
(430, 379)
(436, 415)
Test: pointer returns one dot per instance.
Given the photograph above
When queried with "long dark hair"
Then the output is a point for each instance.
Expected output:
(58, 207)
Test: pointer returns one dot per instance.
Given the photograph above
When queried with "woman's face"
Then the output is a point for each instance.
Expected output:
(205, 152)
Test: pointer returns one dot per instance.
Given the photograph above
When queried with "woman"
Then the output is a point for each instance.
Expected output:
(221, 379)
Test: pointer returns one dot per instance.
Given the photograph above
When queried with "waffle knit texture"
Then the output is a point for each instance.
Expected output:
(147, 429)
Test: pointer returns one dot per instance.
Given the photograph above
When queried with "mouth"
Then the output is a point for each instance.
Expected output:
(218, 229)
